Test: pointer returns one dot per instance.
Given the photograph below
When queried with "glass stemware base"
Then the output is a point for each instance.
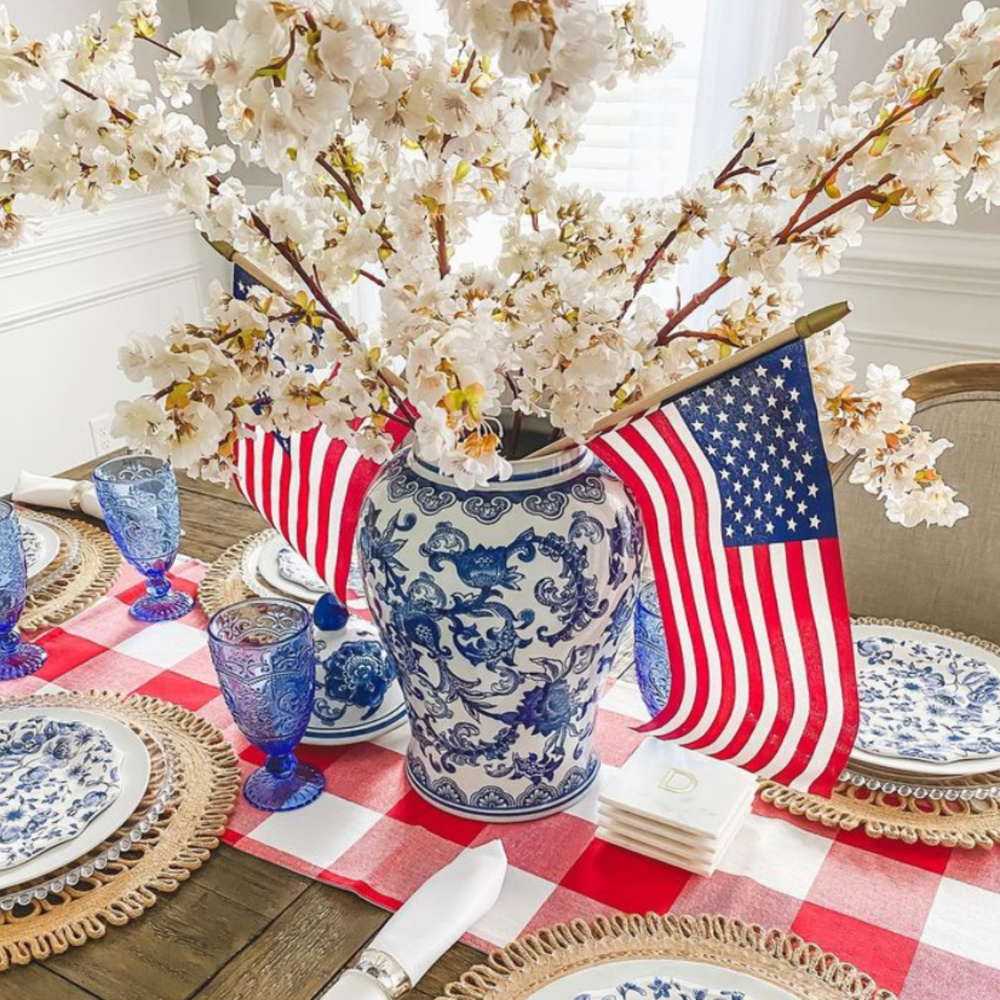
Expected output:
(20, 659)
(162, 607)
(284, 783)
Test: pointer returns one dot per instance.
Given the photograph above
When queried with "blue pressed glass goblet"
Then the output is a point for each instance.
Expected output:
(652, 665)
(17, 659)
(139, 498)
(265, 656)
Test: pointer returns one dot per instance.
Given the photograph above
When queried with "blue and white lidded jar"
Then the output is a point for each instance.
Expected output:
(502, 608)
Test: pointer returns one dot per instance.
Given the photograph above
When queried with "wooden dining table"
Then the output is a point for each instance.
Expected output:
(240, 928)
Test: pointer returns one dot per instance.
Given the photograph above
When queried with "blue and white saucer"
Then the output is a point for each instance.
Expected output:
(357, 694)
(929, 703)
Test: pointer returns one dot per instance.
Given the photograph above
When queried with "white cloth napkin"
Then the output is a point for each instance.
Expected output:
(433, 919)
(660, 989)
(44, 491)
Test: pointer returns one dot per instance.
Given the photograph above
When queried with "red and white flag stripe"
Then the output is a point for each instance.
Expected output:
(310, 493)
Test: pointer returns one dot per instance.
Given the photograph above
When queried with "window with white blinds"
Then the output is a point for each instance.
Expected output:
(637, 137)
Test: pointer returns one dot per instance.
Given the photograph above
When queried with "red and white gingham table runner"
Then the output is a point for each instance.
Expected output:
(914, 917)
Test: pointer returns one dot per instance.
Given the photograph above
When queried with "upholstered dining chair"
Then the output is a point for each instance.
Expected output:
(949, 577)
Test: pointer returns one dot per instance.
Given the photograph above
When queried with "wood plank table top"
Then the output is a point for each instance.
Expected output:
(240, 928)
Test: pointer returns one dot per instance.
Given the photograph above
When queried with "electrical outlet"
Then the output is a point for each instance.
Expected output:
(100, 434)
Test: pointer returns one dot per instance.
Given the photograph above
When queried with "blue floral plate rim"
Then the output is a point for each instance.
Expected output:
(974, 749)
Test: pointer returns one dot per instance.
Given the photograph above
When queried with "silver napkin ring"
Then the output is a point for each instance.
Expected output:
(386, 971)
(76, 496)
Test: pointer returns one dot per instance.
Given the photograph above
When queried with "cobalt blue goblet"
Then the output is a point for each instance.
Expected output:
(265, 656)
(139, 498)
(652, 665)
(17, 659)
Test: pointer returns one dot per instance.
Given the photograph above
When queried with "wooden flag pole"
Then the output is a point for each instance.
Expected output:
(233, 255)
(804, 326)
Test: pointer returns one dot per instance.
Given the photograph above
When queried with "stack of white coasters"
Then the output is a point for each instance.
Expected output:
(675, 805)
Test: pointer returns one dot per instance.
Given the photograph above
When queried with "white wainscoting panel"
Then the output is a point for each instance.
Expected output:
(922, 296)
(67, 302)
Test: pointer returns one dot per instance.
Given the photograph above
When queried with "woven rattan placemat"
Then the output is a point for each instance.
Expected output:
(162, 857)
(535, 961)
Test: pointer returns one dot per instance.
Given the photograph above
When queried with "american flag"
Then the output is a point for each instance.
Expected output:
(308, 486)
(737, 503)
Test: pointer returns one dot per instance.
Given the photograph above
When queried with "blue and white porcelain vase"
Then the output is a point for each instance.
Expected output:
(502, 608)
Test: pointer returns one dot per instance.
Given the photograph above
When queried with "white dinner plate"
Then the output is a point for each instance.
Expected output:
(42, 549)
(930, 704)
(135, 780)
(607, 977)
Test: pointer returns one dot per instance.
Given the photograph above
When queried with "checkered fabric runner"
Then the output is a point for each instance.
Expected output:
(912, 916)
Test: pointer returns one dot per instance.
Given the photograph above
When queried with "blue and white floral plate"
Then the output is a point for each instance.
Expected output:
(40, 544)
(357, 694)
(930, 703)
(126, 768)
(55, 777)
(659, 988)
(607, 982)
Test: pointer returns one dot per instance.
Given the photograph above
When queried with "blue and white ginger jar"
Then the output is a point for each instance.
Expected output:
(502, 608)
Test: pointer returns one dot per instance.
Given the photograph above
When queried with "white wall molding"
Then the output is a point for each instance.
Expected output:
(69, 301)
(123, 225)
(922, 296)
(900, 340)
(48, 311)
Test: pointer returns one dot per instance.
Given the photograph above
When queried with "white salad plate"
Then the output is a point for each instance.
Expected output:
(282, 568)
(134, 779)
(271, 583)
(41, 546)
(600, 980)
(929, 703)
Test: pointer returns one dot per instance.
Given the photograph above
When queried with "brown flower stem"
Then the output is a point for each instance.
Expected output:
(371, 277)
(118, 113)
(829, 31)
(396, 419)
(663, 337)
(441, 236)
(845, 157)
(697, 335)
(861, 194)
(349, 189)
(160, 45)
(468, 67)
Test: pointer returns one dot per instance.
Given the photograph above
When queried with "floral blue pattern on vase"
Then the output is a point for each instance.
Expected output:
(502, 609)
(658, 988)
(652, 665)
(55, 777)
(17, 658)
(926, 697)
(141, 506)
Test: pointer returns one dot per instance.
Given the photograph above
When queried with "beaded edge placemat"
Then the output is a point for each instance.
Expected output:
(535, 961)
(964, 823)
(179, 842)
(98, 568)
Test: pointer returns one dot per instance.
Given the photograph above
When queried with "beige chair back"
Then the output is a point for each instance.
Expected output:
(948, 577)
